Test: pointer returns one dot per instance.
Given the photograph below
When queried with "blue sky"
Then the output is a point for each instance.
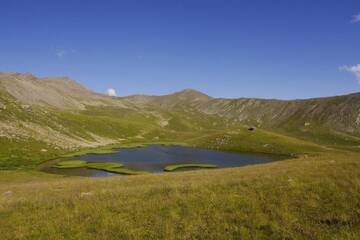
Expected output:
(250, 48)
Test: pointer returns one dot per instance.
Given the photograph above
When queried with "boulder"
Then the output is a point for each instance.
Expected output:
(26, 107)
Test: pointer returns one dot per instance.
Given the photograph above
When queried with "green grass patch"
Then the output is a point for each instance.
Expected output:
(170, 168)
(125, 171)
(112, 167)
(103, 165)
(71, 164)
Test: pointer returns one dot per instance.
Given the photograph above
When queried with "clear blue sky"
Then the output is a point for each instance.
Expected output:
(270, 49)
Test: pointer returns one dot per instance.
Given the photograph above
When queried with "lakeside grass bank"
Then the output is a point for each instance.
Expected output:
(171, 168)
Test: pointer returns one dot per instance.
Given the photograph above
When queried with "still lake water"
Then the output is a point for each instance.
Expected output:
(153, 158)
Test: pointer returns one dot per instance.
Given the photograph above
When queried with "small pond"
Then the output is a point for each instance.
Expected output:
(154, 158)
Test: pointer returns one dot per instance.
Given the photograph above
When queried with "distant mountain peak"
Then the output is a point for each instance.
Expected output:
(60, 92)
(191, 94)
(190, 90)
(23, 76)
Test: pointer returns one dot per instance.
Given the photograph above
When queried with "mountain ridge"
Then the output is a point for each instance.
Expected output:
(64, 93)
(332, 115)
(187, 91)
(59, 92)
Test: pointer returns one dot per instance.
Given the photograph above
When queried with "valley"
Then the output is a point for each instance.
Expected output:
(313, 192)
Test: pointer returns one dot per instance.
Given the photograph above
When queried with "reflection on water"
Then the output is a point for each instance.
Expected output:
(153, 158)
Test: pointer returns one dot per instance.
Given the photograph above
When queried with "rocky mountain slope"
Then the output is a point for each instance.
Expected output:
(59, 92)
(340, 112)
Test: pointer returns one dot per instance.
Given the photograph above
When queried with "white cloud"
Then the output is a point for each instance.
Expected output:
(356, 18)
(60, 53)
(111, 92)
(352, 69)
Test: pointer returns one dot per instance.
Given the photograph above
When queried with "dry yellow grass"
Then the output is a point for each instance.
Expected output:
(314, 197)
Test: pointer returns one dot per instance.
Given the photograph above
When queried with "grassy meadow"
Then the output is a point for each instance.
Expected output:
(314, 197)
